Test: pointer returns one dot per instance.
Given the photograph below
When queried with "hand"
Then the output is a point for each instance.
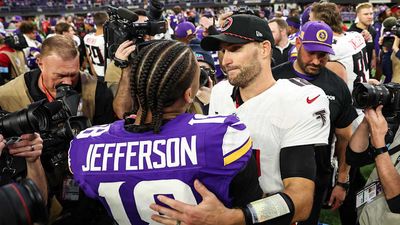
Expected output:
(209, 211)
(124, 50)
(367, 36)
(30, 146)
(337, 197)
(223, 17)
(396, 44)
(204, 93)
(206, 22)
(377, 126)
(2, 143)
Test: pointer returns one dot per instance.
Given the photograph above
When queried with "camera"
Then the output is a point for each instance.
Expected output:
(57, 117)
(25, 204)
(391, 29)
(122, 26)
(56, 122)
(370, 96)
(16, 41)
(205, 74)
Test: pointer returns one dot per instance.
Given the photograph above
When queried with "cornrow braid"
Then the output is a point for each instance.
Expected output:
(161, 72)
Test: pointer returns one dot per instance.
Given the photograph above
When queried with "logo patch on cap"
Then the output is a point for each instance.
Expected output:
(199, 57)
(258, 33)
(228, 23)
(322, 35)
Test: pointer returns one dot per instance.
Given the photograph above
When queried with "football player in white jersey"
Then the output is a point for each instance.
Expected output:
(94, 43)
(286, 119)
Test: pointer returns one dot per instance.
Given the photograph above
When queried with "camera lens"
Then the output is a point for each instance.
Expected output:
(25, 204)
(370, 96)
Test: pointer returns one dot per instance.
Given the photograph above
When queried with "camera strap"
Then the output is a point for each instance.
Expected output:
(46, 91)
(7, 171)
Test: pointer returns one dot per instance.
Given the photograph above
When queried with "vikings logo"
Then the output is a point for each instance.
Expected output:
(322, 35)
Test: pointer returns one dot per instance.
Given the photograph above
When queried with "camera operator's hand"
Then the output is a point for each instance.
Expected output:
(396, 44)
(2, 143)
(30, 147)
(223, 17)
(206, 22)
(377, 126)
(124, 50)
(204, 93)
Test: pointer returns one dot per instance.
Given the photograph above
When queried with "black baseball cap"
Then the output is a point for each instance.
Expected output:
(239, 29)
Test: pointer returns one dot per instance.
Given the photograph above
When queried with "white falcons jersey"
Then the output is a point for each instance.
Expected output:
(290, 113)
(95, 48)
(350, 50)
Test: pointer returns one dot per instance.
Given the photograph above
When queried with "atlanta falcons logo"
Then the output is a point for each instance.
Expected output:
(321, 115)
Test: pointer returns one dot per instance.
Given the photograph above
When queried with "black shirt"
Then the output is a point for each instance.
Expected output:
(342, 112)
(279, 56)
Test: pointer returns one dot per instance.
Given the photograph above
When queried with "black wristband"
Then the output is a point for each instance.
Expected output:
(120, 63)
(374, 152)
(345, 185)
(247, 216)
(394, 204)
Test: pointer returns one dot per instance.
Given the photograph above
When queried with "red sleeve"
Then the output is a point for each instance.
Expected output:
(4, 60)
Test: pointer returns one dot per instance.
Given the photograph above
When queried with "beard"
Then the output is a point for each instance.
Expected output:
(246, 75)
(308, 68)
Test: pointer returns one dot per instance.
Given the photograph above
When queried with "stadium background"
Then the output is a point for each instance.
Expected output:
(56, 8)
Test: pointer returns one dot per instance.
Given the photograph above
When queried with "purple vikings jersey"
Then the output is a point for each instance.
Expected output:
(126, 170)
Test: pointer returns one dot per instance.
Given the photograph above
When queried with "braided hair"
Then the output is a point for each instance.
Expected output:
(161, 73)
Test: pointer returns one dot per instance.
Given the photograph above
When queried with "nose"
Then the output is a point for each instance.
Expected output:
(67, 80)
(226, 59)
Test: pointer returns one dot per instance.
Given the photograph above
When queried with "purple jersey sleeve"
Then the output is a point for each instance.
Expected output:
(126, 171)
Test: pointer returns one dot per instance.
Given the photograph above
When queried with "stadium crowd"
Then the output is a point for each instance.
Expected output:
(232, 115)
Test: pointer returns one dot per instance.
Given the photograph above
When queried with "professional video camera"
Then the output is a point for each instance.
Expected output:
(370, 96)
(22, 204)
(122, 26)
(54, 121)
(391, 28)
(16, 41)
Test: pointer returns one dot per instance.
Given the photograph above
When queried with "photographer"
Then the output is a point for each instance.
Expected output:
(12, 157)
(12, 58)
(379, 202)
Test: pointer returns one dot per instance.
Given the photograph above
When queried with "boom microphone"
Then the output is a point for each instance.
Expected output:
(127, 14)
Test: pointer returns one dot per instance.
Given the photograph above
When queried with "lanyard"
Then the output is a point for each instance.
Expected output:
(46, 91)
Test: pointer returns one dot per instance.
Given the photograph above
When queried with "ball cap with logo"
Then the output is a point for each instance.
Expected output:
(239, 29)
(317, 36)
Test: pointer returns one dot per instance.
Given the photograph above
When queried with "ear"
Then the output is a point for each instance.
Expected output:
(298, 44)
(39, 61)
(267, 48)
(187, 96)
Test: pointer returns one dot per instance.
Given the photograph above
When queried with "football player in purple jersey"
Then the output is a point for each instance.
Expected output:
(162, 150)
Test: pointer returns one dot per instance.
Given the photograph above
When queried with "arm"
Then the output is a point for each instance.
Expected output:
(30, 147)
(388, 175)
(123, 101)
(337, 68)
(338, 195)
